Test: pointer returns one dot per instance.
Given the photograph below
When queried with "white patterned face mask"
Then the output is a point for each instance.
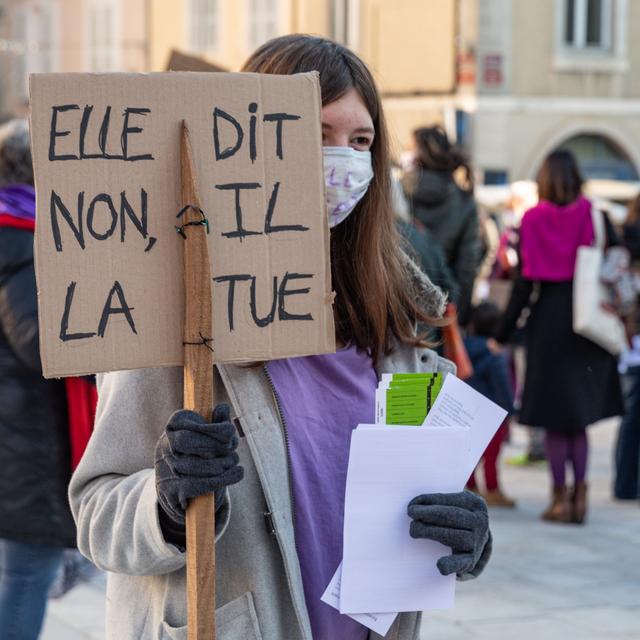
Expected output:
(347, 174)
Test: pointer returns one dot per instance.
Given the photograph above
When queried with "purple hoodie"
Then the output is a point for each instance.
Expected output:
(550, 235)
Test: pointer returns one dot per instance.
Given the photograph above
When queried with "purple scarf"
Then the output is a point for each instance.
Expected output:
(19, 201)
(550, 235)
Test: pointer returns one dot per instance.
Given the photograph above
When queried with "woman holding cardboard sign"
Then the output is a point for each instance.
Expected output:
(276, 452)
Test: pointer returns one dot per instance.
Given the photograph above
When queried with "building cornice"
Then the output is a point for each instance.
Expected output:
(574, 105)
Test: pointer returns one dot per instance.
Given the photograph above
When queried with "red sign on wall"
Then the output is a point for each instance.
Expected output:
(492, 72)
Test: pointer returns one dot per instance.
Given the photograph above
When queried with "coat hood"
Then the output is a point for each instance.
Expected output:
(429, 188)
(431, 299)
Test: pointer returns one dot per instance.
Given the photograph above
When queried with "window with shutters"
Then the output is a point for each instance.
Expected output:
(592, 35)
(34, 47)
(204, 23)
(103, 40)
(587, 24)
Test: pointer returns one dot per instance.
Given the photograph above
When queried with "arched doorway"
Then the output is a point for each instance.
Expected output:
(600, 157)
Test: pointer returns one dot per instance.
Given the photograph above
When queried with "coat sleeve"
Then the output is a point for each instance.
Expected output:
(611, 235)
(502, 392)
(19, 314)
(467, 261)
(112, 492)
(631, 240)
(432, 260)
(520, 295)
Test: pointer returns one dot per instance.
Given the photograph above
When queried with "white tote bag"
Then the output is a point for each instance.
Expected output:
(590, 319)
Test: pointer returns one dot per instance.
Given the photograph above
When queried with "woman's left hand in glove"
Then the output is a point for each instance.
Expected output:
(456, 520)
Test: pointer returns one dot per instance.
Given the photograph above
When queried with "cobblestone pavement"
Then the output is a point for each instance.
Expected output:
(544, 582)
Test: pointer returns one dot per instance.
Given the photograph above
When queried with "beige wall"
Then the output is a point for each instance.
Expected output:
(309, 16)
(403, 119)
(536, 58)
(404, 114)
(71, 46)
(73, 36)
(410, 47)
(518, 138)
(135, 53)
(70, 20)
(71, 26)
(169, 28)
(5, 66)
(548, 96)
(410, 44)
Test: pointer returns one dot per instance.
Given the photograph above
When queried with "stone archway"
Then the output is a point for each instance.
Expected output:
(600, 157)
(601, 151)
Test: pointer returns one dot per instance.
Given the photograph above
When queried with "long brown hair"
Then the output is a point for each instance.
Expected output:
(559, 179)
(434, 152)
(374, 297)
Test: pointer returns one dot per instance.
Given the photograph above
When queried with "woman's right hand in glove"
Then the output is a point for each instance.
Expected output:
(194, 457)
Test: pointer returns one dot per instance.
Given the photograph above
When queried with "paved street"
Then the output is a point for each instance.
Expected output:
(549, 581)
(545, 582)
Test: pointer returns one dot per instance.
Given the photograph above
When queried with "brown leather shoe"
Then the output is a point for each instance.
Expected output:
(498, 499)
(579, 503)
(560, 508)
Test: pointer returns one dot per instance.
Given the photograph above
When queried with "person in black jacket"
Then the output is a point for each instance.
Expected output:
(35, 519)
(447, 210)
(627, 453)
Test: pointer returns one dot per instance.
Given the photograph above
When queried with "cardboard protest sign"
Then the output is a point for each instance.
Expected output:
(106, 152)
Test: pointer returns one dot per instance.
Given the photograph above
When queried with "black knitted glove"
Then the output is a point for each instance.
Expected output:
(192, 458)
(457, 520)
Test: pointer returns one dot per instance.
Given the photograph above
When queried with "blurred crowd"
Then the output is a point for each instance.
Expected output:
(510, 269)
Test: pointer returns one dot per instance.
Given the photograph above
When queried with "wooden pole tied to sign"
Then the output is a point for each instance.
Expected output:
(198, 393)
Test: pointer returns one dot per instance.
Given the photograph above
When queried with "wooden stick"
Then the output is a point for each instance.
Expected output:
(198, 396)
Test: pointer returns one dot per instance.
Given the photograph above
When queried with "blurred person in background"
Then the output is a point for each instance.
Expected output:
(445, 208)
(35, 519)
(523, 196)
(570, 382)
(490, 378)
(419, 243)
(627, 479)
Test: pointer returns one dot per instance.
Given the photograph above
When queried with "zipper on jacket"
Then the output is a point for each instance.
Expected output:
(285, 434)
(269, 517)
(300, 613)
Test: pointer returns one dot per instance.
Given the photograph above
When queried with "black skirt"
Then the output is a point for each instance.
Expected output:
(570, 382)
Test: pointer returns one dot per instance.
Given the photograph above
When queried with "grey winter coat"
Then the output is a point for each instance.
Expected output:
(451, 216)
(259, 593)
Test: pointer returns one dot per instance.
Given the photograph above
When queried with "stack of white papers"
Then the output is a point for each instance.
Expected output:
(384, 570)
